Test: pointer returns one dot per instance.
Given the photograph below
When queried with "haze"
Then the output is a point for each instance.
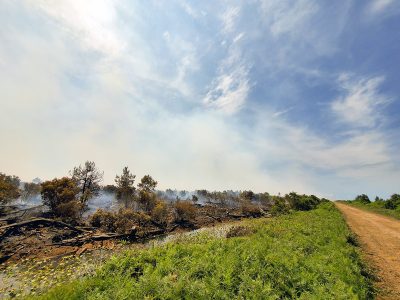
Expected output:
(273, 96)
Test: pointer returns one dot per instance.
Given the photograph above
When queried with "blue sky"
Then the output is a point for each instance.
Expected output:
(266, 95)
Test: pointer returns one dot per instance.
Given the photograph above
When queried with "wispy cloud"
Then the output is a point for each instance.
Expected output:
(361, 104)
(229, 90)
(379, 6)
(228, 18)
(288, 17)
(282, 112)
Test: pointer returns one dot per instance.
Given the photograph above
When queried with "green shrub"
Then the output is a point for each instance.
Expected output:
(393, 202)
(362, 199)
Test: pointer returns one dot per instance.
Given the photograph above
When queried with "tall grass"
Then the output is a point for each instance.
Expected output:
(377, 207)
(304, 255)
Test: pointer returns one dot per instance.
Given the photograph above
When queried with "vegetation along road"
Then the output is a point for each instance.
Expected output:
(380, 238)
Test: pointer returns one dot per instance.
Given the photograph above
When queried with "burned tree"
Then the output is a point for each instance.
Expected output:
(88, 179)
(125, 190)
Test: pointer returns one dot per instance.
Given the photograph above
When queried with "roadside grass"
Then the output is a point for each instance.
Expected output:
(377, 207)
(303, 255)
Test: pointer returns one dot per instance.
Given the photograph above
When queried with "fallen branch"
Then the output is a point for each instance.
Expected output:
(80, 240)
(234, 216)
(9, 229)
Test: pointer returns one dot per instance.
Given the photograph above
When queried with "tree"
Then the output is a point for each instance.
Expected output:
(302, 202)
(265, 199)
(148, 184)
(125, 188)
(88, 179)
(204, 195)
(195, 199)
(147, 196)
(362, 199)
(9, 188)
(60, 195)
(247, 196)
(393, 202)
(31, 189)
(109, 189)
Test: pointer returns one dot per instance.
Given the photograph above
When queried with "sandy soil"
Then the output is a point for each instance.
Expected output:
(380, 239)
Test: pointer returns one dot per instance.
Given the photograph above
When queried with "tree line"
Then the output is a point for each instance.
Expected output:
(67, 198)
(393, 202)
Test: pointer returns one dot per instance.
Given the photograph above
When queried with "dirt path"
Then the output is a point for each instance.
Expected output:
(380, 239)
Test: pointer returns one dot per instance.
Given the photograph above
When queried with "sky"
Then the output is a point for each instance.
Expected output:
(267, 95)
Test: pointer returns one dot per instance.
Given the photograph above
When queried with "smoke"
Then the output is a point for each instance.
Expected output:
(106, 201)
(27, 202)
(172, 195)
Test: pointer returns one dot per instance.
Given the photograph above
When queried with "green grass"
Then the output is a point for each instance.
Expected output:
(377, 207)
(304, 255)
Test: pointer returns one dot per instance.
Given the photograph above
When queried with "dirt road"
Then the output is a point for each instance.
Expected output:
(380, 239)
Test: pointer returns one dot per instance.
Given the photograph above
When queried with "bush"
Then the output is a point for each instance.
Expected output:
(122, 221)
(69, 211)
(103, 219)
(160, 213)
(393, 202)
(302, 202)
(236, 231)
(185, 211)
(279, 207)
(362, 199)
(57, 193)
(9, 188)
(250, 209)
(126, 220)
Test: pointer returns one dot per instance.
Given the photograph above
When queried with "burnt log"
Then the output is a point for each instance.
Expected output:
(11, 229)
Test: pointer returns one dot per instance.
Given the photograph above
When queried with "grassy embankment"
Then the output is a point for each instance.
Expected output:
(377, 207)
(304, 255)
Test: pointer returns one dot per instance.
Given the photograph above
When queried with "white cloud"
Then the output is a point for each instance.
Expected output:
(230, 89)
(282, 112)
(191, 11)
(229, 18)
(361, 104)
(238, 37)
(339, 165)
